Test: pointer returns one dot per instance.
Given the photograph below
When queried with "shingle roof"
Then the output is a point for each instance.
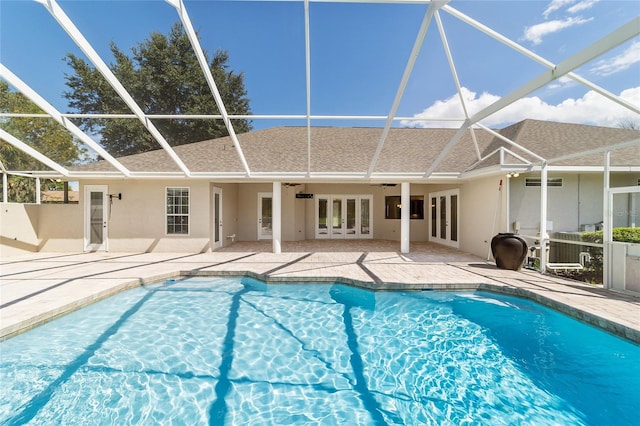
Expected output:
(552, 139)
(350, 149)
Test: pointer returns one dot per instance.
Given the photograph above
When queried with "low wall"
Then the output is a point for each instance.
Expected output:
(18, 228)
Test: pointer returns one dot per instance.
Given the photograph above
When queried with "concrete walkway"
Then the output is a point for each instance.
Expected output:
(42, 286)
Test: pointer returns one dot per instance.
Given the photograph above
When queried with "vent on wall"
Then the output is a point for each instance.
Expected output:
(555, 182)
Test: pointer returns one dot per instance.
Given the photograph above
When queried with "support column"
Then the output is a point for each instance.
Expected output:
(543, 217)
(405, 211)
(607, 231)
(5, 188)
(276, 217)
(38, 195)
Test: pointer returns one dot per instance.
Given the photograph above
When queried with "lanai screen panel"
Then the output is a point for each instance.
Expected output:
(381, 65)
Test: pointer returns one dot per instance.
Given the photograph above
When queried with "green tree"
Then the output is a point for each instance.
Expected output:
(163, 77)
(43, 134)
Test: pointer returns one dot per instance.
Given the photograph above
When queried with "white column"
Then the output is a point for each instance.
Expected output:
(5, 188)
(405, 211)
(633, 209)
(607, 231)
(38, 196)
(276, 217)
(543, 217)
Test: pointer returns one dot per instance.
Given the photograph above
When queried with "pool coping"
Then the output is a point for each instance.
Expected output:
(608, 325)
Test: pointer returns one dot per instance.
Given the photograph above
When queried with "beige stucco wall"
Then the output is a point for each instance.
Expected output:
(137, 221)
(61, 227)
(482, 214)
(18, 228)
(229, 212)
(577, 202)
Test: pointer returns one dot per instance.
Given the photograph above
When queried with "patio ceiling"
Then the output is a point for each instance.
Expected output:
(433, 11)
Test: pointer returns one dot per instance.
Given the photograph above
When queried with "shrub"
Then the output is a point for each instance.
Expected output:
(627, 235)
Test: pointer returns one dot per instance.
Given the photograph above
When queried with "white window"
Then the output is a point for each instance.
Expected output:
(554, 182)
(177, 210)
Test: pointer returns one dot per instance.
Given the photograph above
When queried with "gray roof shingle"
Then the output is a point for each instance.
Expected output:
(350, 149)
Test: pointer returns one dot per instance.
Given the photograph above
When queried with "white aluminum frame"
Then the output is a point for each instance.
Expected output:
(554, 71)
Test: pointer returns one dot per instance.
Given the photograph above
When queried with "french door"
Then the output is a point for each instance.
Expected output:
(343, 216)
(265, 203)
(217, 218)
(96, 219)
(444, 220)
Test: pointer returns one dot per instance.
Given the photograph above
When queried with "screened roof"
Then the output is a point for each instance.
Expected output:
(470, 66)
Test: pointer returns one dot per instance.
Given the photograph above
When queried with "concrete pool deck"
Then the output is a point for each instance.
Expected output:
(38, 287)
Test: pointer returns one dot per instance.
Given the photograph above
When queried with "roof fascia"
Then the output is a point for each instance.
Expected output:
(65, 22)
(52, 112)
(587, 169)
(204, 66)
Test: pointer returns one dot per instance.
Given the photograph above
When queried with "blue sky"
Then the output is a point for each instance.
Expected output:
(358, 54)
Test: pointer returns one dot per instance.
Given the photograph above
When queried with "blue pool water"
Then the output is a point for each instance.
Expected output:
(236, 351)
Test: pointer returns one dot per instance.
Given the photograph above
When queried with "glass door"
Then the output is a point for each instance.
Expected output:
(95, 218)
(337, 215)
(217, 218)
(265, 202)
(351, 216)
(343, 216)
(444, 218)
(322, 216)
(365, 216)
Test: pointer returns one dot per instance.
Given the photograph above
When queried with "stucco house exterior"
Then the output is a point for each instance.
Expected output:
(316, 186)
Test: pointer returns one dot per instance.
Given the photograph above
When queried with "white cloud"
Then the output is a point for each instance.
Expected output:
(592, 108)
(556, 5)
(618, 63)
(583, 5)
(535, 33)
(562, 83)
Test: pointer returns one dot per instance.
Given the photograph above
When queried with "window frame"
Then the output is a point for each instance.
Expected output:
(168, 215)
(393, 212)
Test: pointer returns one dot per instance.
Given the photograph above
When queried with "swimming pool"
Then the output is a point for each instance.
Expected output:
(236, 351)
